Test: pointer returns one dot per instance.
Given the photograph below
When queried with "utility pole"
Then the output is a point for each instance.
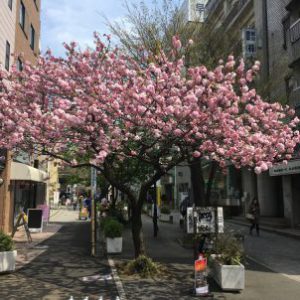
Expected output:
(94, 211)
(155, 226)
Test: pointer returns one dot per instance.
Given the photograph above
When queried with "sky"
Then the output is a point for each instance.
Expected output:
(76, 20)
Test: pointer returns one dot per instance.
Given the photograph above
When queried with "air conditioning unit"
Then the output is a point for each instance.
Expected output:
(249, 42)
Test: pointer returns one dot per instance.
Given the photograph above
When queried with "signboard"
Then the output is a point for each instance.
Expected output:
(46, 212)
(292, 167)
(35, 220)
(56, 198)
(22, 221)
(208, 219)
(201, 285)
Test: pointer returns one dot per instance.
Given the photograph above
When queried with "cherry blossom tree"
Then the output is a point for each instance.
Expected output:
(99, 107)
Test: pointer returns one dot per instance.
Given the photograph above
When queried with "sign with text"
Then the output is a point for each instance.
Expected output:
(35, 220)
(292, 167)
(208, 219)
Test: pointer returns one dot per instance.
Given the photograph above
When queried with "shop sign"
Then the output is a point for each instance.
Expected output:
(292, 167)
(208, 219)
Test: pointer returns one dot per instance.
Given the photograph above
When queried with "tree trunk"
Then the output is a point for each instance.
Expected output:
(137, 232)
(198, 184)
(212, 173)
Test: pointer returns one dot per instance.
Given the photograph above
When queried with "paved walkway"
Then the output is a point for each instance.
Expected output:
(261, 282)
(63, 268)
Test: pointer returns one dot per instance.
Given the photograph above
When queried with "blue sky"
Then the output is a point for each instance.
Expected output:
(69, 20)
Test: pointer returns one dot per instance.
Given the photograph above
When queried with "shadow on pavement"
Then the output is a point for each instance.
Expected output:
(63, 269)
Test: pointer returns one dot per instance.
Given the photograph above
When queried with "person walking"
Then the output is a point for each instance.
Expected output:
(254, 212)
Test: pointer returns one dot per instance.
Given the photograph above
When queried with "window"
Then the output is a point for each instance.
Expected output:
(10, 3)
(22, 15)
(286, 26)
(32, 37)
(36, 5)
(19, 64)
(7, 55)
(249, 42)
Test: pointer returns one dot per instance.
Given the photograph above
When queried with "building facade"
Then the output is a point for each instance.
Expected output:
(267, 30)
(22, 185)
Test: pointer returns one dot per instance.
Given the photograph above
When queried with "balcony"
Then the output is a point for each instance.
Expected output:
(235, 12)
(292, 5)
(211, 6)
(295, 98)
(295, 43)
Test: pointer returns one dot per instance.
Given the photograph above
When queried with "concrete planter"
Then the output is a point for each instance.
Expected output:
(229, 277)
(7, 261)
(114, 245)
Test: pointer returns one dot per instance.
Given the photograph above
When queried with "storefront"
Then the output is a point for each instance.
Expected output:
(28, 187)
(290, 180)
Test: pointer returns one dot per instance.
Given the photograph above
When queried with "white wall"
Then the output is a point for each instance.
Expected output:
(7, 28)
(188, 8)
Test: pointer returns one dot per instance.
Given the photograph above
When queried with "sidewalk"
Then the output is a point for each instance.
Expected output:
(61, 266)
(261, 281)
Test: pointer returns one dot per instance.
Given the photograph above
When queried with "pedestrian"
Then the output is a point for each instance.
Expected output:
(254, 213)
(74, 203)
(88, 204)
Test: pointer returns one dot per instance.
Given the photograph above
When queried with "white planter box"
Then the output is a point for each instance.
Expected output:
(165, 217)
(114, 245)
(7, 261)
(229, 277)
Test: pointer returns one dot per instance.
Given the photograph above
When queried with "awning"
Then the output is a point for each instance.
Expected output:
(21, 171)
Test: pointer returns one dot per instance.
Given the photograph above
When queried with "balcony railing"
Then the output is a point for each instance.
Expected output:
(211, 6)
(295, 98)
(295, 42)
(234, 11)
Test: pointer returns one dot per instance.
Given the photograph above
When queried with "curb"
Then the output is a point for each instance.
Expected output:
(117, 279)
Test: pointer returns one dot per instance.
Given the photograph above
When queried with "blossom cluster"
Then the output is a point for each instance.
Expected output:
(103, 102)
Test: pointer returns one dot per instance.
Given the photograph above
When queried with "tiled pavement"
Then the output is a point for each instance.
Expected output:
(61, 267)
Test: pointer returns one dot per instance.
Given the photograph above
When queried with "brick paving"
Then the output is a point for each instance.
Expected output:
(60, 266)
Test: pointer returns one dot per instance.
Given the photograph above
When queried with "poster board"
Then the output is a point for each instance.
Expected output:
(56, 198)
(35, 220)
(208, 219)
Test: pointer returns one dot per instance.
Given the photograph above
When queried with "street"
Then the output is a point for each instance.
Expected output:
(63, 266)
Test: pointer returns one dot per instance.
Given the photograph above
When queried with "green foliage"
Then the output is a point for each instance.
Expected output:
(6, 242)
(228, 248)
(143, 266)
(165, 210)
(113, 228)
(105, 220)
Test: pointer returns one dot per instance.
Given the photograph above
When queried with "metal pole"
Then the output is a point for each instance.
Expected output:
(155, 227)
(93, 207)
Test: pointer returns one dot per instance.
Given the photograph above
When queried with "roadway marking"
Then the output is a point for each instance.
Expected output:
(118, 282)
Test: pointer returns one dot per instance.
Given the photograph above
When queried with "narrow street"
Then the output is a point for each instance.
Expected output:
(263, 280)
(63, 269)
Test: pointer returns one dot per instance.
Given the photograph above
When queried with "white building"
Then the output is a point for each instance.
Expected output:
(7, 32)
(194, 10)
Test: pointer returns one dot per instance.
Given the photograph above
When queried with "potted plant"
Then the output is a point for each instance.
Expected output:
(165, 214)
(7, 254)
(226, 262)
(113, 233)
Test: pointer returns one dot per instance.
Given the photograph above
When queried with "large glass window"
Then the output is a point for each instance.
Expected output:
(22, 15)
(7, 55)
(32, 37)
(10, 3)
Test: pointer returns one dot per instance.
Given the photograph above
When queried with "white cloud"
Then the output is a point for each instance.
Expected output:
(75, 20)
